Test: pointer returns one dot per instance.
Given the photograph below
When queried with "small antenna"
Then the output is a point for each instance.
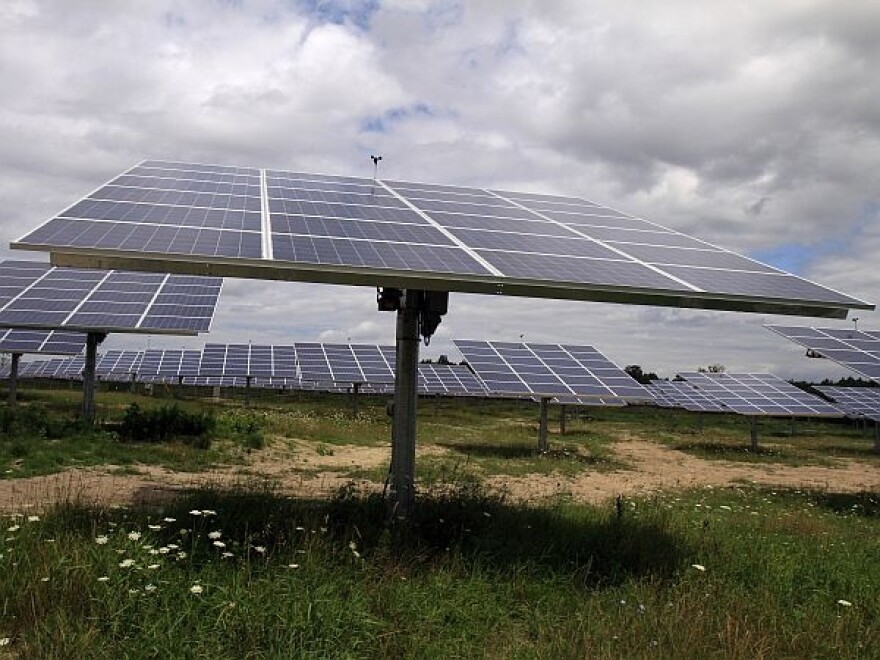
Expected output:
(375, 160)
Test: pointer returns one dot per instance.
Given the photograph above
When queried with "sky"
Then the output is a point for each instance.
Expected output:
(751, 125)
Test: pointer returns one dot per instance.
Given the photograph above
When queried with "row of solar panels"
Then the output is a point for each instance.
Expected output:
(159, 368)
(765, 395)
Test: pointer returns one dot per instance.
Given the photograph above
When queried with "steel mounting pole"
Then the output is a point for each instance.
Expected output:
(562, 419)
(92, 341)
(355, 387)
(13, 378)
(403, 435)
(753, 428)
(542, 425)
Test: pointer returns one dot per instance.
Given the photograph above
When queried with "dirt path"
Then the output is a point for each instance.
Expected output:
(657, 468)
(298, 469)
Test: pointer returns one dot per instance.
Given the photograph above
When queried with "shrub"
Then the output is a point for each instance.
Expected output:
(166, 423)
(244, 426)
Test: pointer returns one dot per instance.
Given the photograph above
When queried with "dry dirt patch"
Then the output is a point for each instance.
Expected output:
(298, 469)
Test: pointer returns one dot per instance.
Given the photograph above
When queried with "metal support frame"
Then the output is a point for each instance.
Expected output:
(876, 436)
(700, 421)
(13, 378)
(355, 388)
(403, 432)
(562, 419)
(542, 425)
(753, 428)
(247, 390)
(93, 339)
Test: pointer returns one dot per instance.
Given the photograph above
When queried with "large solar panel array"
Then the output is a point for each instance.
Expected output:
(679, 394)
(759, 394)
(857, 350)
(551, 370)
(50, 342)
(180, 216)
(855, 401)
(38, 295)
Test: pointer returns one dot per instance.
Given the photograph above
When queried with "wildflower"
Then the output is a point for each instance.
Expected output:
(103, 578)
(215, 535)
(181, 556)
(293, 566)
(195, 512)
(5, 641)
(45, 579)
(150, 588)
(126, 563)
(153, 567)
(14, 528)
(260, 549)
(196, 589)
(173, 546)
(33, 519)
(699, 567)
(845, 603)
(155, 528)
(134, 591)
(725, 507)
(227, 555)
(169, 520)
(134, 536)
(209, 512)
(164, 550)
(300, 529)
(219, 544)
(153, 551)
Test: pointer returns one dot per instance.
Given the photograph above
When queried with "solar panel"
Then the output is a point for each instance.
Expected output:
(170, 364)
(118, 363)
(855, 401)
(345, 363)
(564, 400)
(51, 342)
(679, 394)
(859, 351)
(449, 379)
(180, 217)
(35, 295)
(243, 360)
(759, 394)
(548, 370)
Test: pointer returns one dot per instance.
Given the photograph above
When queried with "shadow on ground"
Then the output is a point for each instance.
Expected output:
(467, 526)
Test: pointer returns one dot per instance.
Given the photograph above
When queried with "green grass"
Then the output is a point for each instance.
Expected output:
(468, 576)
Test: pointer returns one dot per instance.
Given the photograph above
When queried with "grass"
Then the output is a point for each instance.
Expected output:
(468, 576)
(738, 572)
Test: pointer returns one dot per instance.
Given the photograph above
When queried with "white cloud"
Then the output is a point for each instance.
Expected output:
(753, 126)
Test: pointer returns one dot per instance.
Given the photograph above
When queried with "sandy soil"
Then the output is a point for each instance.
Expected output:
(297, 469)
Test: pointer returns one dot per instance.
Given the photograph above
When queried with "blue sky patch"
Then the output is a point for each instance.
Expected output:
(339, 12)
(383, 123)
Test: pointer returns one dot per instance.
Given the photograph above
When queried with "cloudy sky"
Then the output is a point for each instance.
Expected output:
(752, 125)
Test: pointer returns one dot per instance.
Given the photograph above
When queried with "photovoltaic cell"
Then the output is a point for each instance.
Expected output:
(856, 350)
(548, 370)
(42, 296)
(169, 215)
(759, 394)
